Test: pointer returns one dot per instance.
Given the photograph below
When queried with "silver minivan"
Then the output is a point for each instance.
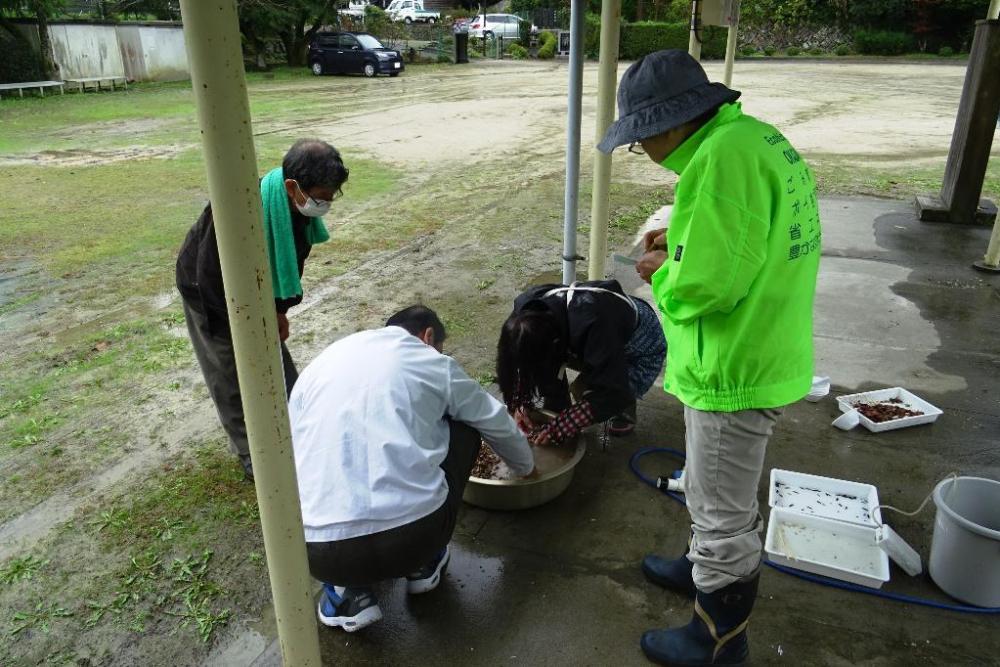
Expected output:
(497, 25)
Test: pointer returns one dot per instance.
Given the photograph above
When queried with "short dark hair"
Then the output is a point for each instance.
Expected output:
(314, 163)
(416, 319)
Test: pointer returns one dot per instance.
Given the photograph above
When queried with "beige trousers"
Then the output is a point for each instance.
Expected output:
(725, 458)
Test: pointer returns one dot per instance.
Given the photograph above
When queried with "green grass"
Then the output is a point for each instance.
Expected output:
(36, 124)
(119, 227)
(19, 569)
(54, 394)
(171, 556)
(838, 176)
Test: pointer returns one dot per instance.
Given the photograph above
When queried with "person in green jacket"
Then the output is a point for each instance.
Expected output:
(734, 278)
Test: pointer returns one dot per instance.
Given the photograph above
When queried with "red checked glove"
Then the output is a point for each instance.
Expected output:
(567, 425)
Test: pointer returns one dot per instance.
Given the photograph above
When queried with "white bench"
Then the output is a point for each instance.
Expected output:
(40, 85)
(97, 81)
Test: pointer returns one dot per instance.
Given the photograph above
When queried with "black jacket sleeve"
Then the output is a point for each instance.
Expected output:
(602, 342)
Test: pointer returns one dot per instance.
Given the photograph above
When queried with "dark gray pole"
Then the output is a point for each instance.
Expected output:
(959, 201)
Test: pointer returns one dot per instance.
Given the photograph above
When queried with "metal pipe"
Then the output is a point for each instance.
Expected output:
(213, 44)
(734, 25)
(574, 102)
(694, 40)
(607, 81)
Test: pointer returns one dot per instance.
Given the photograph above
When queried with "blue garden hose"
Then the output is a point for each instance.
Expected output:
(633, 464)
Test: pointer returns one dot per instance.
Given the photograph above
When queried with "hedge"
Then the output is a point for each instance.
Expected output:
(517, 52)
(882, 42)
(645, 37)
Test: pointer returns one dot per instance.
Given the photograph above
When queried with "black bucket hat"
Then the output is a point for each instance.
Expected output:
(659, 92)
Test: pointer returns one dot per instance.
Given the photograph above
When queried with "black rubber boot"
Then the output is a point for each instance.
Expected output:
(674, 575)
(247, 466)
(717, 633)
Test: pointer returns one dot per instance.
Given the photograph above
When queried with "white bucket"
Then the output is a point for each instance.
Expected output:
(965, 550)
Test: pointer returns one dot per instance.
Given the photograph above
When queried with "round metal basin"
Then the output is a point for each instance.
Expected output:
(519, 494)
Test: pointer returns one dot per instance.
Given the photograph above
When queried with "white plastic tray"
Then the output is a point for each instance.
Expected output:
(909, 401)
(813, 495)
(826, 547)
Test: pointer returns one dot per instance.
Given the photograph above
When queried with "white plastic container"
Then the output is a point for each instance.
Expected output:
(826, 547)
(965, 549)
(907, 400)
(827, 497)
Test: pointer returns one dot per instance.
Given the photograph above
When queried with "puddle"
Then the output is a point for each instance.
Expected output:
(77, 157)
(243, 650)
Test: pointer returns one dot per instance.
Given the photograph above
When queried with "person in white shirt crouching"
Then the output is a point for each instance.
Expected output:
(386, 430)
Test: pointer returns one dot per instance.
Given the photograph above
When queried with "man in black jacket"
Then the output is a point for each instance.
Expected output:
(310, 178)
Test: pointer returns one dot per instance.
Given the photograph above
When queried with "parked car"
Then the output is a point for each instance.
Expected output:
(354, 9)
(498, 25)
(352, 53)
(411, 11)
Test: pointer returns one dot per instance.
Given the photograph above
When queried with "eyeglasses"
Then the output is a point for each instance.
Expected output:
(338, 193)
(636, 148)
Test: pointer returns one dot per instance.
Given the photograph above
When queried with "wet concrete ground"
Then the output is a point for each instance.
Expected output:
(898, 304)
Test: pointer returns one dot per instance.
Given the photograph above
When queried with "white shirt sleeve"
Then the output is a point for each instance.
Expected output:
(471, 404)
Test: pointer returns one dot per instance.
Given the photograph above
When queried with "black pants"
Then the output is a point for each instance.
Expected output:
(390, 554)
(214, 350)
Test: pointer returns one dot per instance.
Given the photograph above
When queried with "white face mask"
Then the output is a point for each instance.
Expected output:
(312, 208)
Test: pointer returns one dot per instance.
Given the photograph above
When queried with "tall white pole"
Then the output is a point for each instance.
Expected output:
(694, 43)
(573, 102)
(734, 24)
(211, 31)
(607, 81)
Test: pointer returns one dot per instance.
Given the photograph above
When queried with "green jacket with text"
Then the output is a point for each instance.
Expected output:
(736, 289)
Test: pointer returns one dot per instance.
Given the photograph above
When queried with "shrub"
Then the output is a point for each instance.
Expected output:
(769, 50)
(816, 51)
(946, 52)
(547, 45)
(882, 42)
(376, 19)
(517, 52)
(592, 35)
(645, 37)
(748, 50)
(793, 51)
(843, 50)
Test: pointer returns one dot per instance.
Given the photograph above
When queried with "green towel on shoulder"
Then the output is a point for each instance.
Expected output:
(280, 238)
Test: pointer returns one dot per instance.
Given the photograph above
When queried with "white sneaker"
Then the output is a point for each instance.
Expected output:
(427, 578)
(348, 608)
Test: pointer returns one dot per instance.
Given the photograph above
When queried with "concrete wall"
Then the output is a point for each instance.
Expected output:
(86, 50)
(153, 53)
(141, 52)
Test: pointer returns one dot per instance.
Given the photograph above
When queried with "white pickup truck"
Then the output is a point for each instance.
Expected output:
(411, 11)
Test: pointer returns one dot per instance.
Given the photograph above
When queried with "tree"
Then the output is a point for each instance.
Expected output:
(41, 11)
(293, 22)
